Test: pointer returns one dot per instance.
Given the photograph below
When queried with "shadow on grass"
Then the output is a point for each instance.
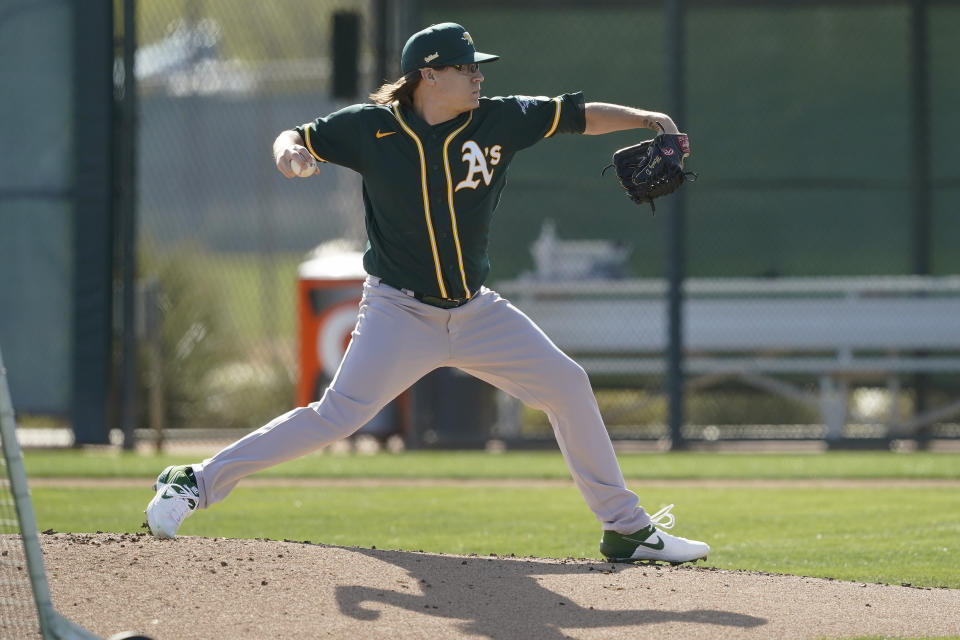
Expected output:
(501, 598)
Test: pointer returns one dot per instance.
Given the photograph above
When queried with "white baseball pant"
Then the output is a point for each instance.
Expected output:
(398, 340)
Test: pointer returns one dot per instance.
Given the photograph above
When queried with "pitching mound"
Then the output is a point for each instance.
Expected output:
(230, 589)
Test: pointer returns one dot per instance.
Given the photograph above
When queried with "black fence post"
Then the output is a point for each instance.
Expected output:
(381, 29)
(92, 220)
(126, 175)
(920, 176)
(676, 258)
(346, 54)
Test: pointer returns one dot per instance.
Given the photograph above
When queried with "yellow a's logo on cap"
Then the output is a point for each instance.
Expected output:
(466, 36)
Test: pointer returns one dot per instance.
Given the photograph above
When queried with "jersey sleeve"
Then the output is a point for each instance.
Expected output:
(537, 118)
(334, 138)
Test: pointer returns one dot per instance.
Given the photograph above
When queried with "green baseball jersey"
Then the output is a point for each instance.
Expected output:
(429, 192)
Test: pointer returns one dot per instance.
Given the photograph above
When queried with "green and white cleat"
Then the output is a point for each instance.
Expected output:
(177, 497)
(650, 543)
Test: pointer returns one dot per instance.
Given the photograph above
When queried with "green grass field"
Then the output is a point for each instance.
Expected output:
(885, 527)
(94, 463)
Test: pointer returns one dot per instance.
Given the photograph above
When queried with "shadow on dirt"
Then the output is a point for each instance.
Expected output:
(503, 598)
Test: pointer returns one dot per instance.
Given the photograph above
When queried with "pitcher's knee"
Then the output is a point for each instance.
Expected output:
(571, 378)
(341, 414)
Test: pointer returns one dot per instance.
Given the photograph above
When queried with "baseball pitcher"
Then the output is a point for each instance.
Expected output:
(434, 155)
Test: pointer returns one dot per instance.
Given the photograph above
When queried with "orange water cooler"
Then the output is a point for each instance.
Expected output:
(446, 408)
(328, 297)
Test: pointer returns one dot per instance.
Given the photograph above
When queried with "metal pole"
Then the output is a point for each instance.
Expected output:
(91, 202)
(920, 136)
(920, 176)
(128, 237)
(380, 16)
(675, 210)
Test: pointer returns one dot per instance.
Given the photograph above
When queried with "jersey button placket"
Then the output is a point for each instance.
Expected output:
(441, 225)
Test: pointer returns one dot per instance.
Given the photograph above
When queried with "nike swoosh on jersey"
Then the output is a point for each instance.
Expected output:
(384, 134)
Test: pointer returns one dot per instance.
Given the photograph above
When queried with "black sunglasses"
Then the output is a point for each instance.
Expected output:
(470, 68)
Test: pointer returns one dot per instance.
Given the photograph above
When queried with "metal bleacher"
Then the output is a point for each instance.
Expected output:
(764, 332)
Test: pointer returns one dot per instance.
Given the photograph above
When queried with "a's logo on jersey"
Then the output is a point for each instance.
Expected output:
(466, 36)
(476, 159)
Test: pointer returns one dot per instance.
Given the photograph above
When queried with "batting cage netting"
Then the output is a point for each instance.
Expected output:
(26, 610)
(18, 609)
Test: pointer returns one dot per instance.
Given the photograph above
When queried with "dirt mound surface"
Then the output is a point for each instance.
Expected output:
(231, 589)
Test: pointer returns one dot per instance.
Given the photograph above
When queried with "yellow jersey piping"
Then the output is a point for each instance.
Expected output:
(556, 119)
(453, 215)
(306, 135)
(426, 198)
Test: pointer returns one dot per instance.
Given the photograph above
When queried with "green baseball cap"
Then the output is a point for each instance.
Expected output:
(440, 45)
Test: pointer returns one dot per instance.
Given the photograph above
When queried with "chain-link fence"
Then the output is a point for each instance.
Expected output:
(803, 121)
(221, 232)
(807, 131)
(815, 125)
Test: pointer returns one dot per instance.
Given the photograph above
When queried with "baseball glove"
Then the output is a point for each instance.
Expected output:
(653, 168)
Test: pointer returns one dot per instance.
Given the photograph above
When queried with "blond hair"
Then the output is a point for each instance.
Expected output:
(400, 90)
